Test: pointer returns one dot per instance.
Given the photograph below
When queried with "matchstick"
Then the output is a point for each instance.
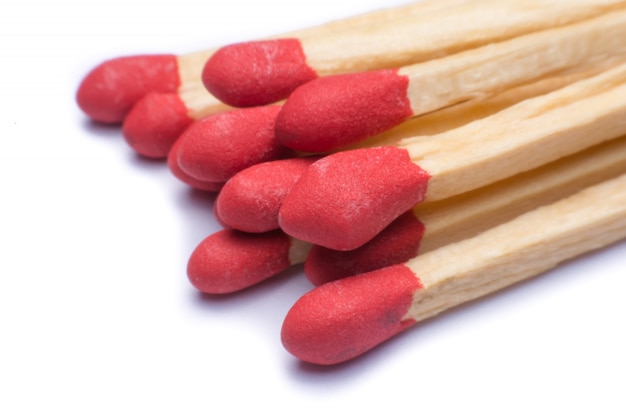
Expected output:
(343, 319)
(172, 164)
(335, 111)
(262, 72)
(422, 229)
(219, 146)
(345, 199)
(230, 260)
(432, 225)
(152, 123)
(250, 200)
(110, 90)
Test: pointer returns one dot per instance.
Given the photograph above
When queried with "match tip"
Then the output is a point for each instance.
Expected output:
(172, 163)
(250, 200)
(335, 111)
(217, 147)
(230, 261)
(397, 243)
(154, 123)
(110, 90)
(341, 320)
(256, 73)
(345, 199)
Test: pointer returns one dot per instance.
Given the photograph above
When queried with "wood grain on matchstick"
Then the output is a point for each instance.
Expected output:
(343, 319)
(257, 73)
(345, 199)
(332, 112)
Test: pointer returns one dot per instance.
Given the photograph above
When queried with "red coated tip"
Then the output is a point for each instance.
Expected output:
(345, 199)
(229, 261)
(250, 200)
(109, 91)
(397, 243)
(172, 163)
(343, 319)
(256, 73)
(154, 124)
(219, 146)
(335, 111)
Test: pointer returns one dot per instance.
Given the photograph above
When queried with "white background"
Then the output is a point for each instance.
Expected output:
(97, 316)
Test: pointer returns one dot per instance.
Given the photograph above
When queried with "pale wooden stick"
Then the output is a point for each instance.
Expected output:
(466, 215)
(439, 83)
(201, 103)
(461, 114)
(529, 245)
(333, 112)
(343, 319)
(424, 36)
(524, 136)
(432, 225)
(346, 198)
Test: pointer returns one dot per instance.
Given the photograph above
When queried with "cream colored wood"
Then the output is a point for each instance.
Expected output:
(530, 244)
(524, 136)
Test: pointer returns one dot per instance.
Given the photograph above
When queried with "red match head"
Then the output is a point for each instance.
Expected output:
(172, 163)
(229, 260)
(109, 91)
(343, 319)
(250, 200)
(345, 199)
(256, 73)
(219, 146)
(397, 243)
(155, 123)
(332, 112)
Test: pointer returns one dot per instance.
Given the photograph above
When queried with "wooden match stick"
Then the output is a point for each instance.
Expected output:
(219, 146)
(262, 72)
(335, 111)
(167, 89)
(343, 319)
(432, 225)
(250, 200)
(230, 260)
(255, 257)
(152, 123)
(174, 167)
(223, 146)
(345, 199)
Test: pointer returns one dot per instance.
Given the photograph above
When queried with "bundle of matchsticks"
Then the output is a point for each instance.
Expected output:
(412, 159)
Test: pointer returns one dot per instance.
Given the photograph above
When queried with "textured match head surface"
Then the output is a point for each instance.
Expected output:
(172, 163)
(341, 320)
(397, 243)
(345, 199)
(229, 261)
(110, 90)
(335, 111)
(250, 200)
(154, 123)
(256, 73)
(217, 147)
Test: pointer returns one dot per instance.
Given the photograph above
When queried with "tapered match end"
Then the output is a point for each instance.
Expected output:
(172, 163)
(154, 123)
(229, 261)
(398, 243)
(110, 90)
(256, 73)
(345, 199)
(341, 320)
(250, 200)
(335, 111)
(217, 147)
